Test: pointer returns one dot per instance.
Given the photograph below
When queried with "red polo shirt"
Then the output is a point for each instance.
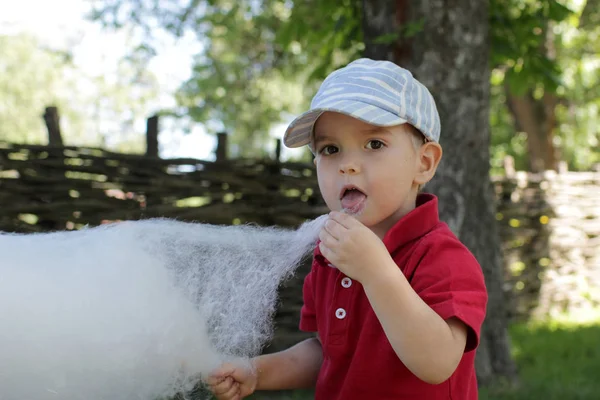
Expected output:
(358, 360)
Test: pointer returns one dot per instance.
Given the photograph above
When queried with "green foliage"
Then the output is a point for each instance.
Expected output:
(544, 46)
(590, 15)
(262, 60)
(329, 34)
(31, 79)
(579, 114)
(242, 78)
(260, 66)
(519, 39)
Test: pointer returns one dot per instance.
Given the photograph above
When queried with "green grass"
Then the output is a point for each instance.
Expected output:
(556, 360)
(559, 359)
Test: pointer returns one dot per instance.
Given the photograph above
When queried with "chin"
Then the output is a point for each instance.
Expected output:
(374, 221)
(364, 218)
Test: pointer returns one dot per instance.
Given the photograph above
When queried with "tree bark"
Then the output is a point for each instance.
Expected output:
(590, 17)
(379, 19)
(450, 56)
(52, 121)
(537, 119)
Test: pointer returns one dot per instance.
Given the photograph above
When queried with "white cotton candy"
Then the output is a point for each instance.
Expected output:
(137, 310)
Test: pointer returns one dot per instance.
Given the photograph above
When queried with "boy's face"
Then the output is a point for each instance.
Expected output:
(382, 165)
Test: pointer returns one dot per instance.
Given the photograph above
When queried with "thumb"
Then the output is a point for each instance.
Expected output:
(223, 371)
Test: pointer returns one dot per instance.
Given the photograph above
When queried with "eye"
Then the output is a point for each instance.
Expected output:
(328, 150)
(375, 144)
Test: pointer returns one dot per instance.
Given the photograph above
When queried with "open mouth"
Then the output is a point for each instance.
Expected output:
(353, 199)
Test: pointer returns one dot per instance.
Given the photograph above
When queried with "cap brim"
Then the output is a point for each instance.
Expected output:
(300, 130)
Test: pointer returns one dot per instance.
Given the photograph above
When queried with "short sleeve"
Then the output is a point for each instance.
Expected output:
(308, 316)
(450, 280)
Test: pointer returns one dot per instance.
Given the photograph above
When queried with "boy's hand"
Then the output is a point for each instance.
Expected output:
(352, 247)
(232, 382)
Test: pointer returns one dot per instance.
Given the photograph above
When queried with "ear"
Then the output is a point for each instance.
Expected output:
(428, 159)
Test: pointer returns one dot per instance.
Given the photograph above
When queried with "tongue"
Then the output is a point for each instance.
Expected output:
(353, 201)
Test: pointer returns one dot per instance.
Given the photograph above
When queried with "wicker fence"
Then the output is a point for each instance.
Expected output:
(550, 228)
(48, 188)
(549, 223)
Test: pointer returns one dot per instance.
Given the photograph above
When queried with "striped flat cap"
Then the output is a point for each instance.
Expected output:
(379, 93)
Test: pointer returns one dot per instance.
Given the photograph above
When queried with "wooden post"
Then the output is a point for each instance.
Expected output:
(52, 121)
(151, 151)
(221, 152)
(278, 150)
(152, 136)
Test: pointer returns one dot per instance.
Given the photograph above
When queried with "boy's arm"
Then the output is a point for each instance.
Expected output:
(430, 321)
(294, 368)
(429, 346)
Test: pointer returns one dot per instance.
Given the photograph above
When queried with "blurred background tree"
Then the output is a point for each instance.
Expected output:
(544, 57)
(31, 77)
(94, 110)
(261, 60)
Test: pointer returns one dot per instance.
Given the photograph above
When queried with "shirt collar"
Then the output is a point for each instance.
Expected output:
(418, 222)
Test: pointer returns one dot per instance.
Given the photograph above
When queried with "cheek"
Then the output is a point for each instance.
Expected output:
(328, 187)
(391, 180)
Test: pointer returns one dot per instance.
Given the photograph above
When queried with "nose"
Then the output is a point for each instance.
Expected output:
(350, 165)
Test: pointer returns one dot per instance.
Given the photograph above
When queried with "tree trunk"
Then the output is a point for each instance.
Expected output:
(379, 19)
(450, 56)
(537, 119)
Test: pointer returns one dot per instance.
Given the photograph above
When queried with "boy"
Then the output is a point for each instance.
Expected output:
(396, 300)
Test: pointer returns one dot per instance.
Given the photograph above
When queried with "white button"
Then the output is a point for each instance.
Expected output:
(340, 313)
(346, 282)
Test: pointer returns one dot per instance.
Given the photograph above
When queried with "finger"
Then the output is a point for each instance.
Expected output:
(334, 228)
(326, 251)
(224, 386)
(345, 220)
(243, 374)
(323, 234)
(326, 238)
(214, 380)
(232, 392)
(223, 371)
(220, 390)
